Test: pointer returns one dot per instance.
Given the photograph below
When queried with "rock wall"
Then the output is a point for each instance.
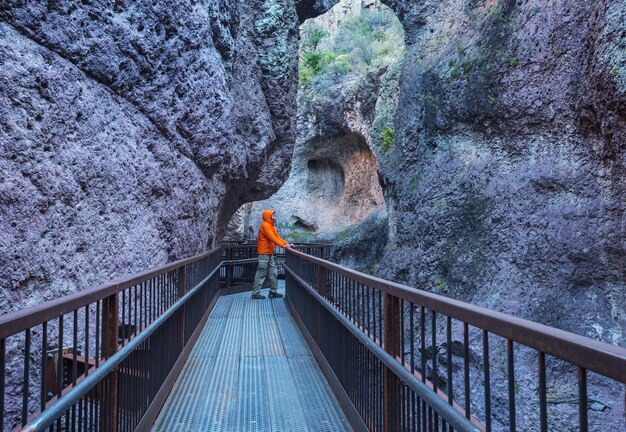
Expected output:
(130, 132)
(506, 182)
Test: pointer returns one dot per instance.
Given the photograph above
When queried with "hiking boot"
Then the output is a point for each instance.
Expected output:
(275, 295)
(258, 296)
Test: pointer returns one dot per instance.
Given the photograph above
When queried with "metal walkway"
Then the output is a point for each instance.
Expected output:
(251, 370)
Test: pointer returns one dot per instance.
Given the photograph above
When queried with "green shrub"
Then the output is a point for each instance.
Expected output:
(313, 63)
(387, 138)
(313, 36)
(362, 43)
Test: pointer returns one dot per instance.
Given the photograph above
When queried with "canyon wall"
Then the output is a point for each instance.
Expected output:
(504, 182)
(131, 131)
(508, 172)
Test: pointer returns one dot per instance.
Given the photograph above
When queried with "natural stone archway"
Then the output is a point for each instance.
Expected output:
(333, 184)
(349, 72)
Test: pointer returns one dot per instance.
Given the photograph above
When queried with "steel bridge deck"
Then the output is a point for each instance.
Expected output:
(251, 370)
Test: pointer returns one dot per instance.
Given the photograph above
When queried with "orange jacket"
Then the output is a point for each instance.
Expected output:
(268, 235)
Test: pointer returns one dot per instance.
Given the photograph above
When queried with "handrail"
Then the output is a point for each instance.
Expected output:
(451, 415)
(20, 320)
(50, 415)
(603, 358)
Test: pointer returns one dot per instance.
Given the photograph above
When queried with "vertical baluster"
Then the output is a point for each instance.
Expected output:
(361, 300)
(511, 380)
(466, 370)
(401, 335)
(412, 336)
(416, 410)
(60, 359)
(123, 323)
(60, 366)
(86, 353)
(85, 411)
(43, 393)
(25, 383)
(582, 400)
(449, 358)
(3, 353)
(433, 330)
(159, 293)
(380, 318)
(487, 381)
(142, 309)
(135, 304)
(543, 404)
(352, 302)
(425, 417)
(74, 360)
(75, 347)
(368, 304)
(434, 361)
(423, 342)
(97, 338)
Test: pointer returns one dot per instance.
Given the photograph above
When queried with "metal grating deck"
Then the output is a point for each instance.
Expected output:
(251, 370)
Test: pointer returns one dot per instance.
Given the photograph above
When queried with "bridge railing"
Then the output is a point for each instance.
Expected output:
(48, 350)
(235, 251)
(52, 348)
(362, 328)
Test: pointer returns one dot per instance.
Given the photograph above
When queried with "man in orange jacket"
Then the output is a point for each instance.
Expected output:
(266, 242)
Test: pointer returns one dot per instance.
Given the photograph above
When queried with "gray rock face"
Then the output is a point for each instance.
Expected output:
(131, 132)
(505, 187)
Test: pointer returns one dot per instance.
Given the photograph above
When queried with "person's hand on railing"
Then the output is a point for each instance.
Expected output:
(289, 245)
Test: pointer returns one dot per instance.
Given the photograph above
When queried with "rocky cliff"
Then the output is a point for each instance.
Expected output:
(506, 182)
(131, 131)
(504, 179)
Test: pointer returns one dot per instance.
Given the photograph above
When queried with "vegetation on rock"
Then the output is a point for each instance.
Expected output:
(361, 43)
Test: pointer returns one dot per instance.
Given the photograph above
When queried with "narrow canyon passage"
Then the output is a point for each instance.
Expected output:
(349, 69)
(468, 149)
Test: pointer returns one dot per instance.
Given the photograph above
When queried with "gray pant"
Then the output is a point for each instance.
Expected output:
(267, 266)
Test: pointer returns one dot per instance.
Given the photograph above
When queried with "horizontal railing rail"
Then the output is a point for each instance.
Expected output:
(243, 250)
(20, 320)
(86, 386)
(47, 349)
(408, 323)
(367, 370)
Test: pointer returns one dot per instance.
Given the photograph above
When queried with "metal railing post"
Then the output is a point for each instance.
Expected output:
(182, 274)
(391, 384)
(110, 319)
(229, 268)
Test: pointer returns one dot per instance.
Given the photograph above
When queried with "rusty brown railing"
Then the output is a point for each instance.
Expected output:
(356, 323)
(50, 348)
(46, 351)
